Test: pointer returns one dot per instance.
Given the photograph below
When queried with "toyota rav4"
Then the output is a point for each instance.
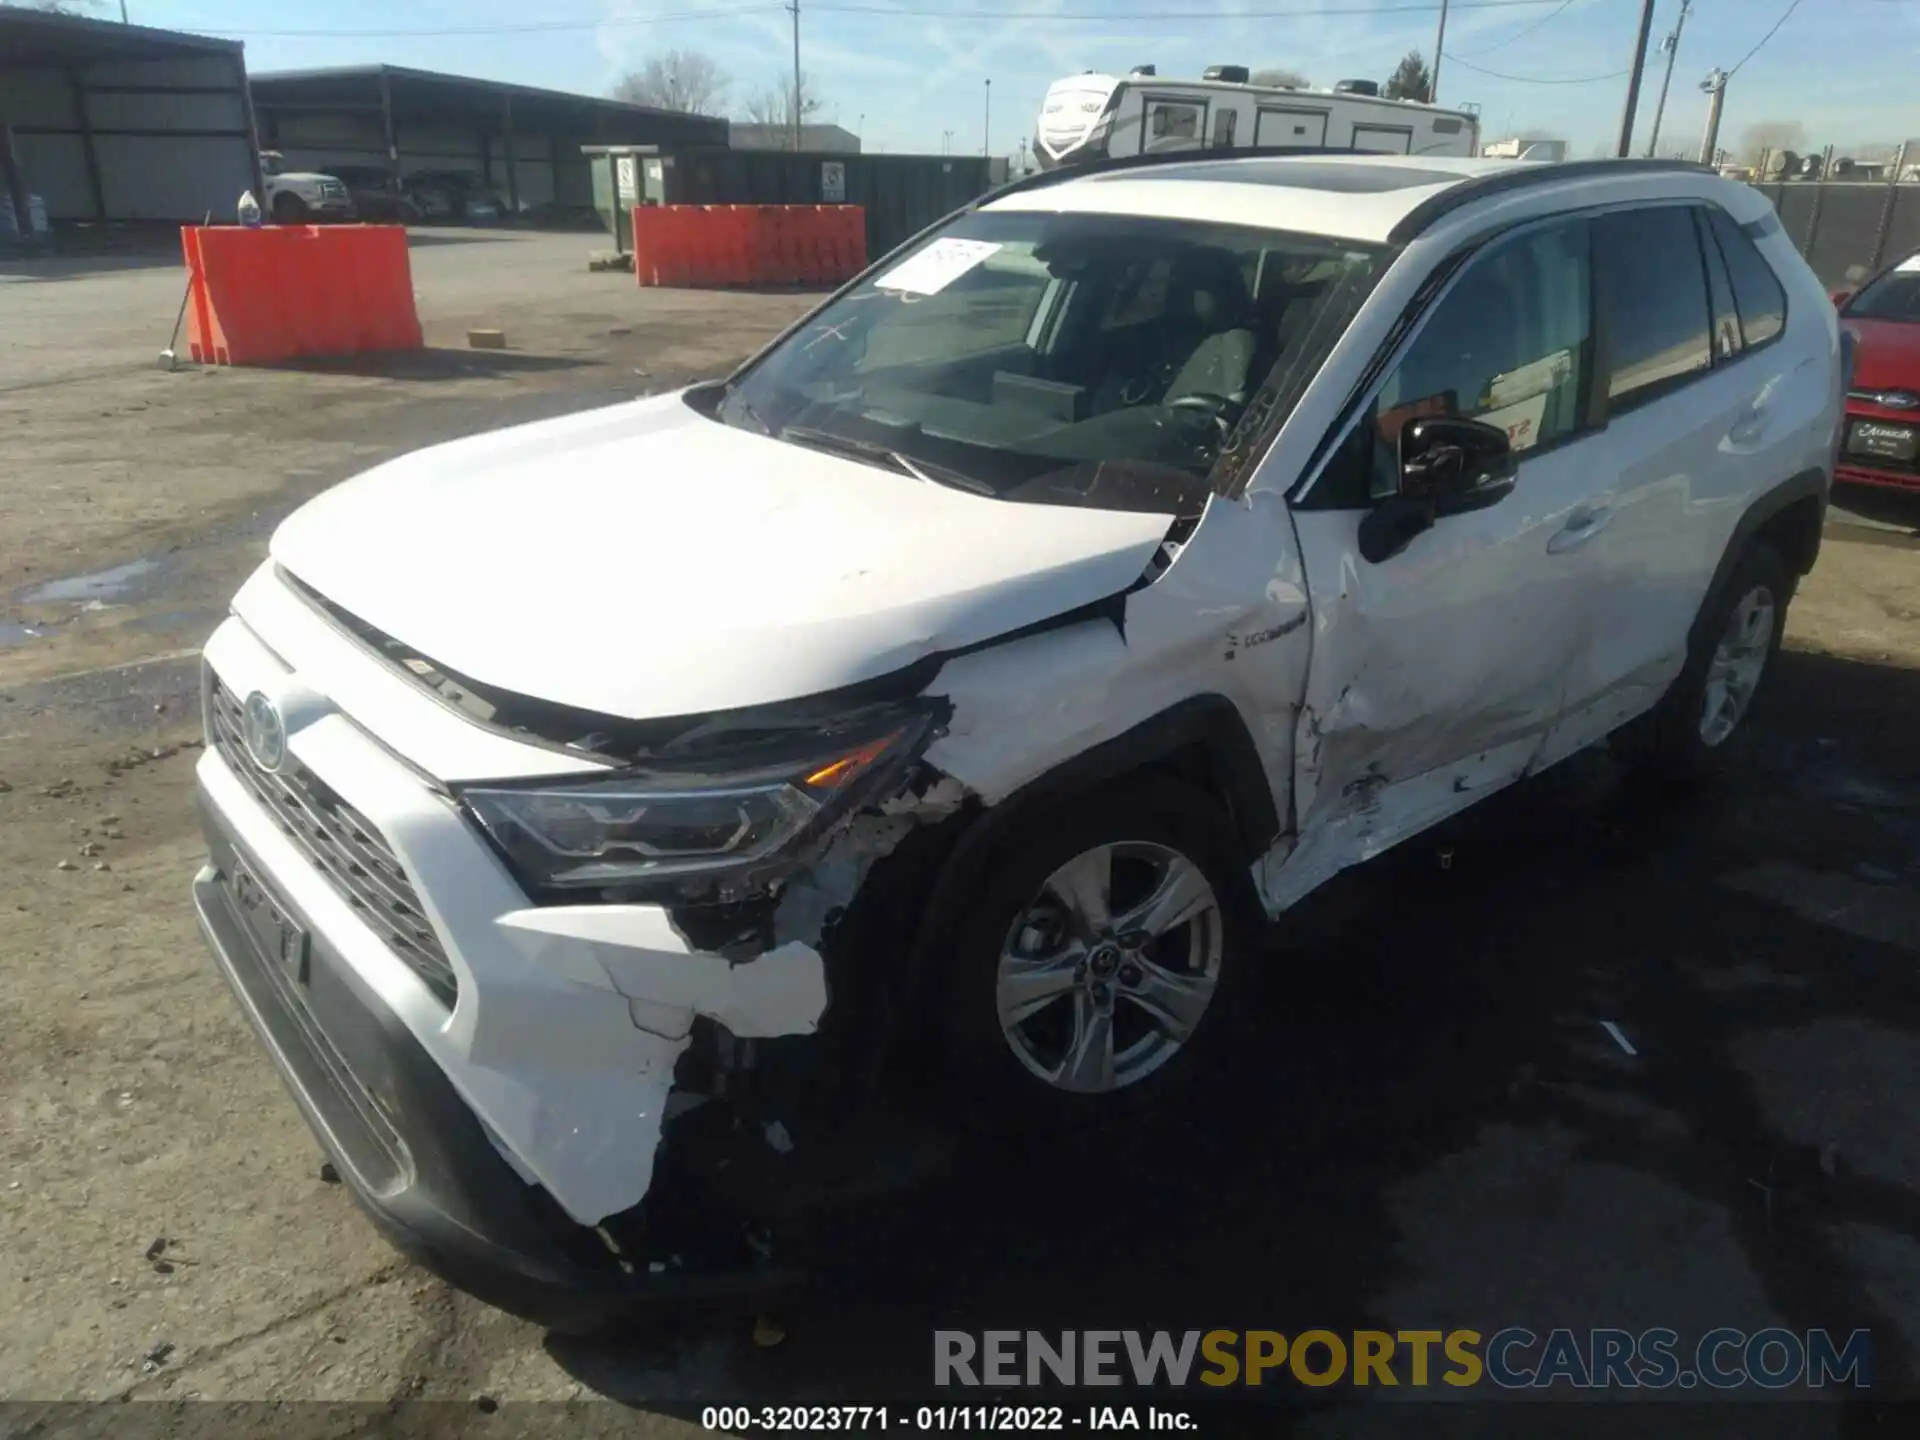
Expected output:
(605, 811)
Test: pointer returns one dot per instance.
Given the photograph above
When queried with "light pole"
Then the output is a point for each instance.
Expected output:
(986, 123)
(1633, 80)
(1439, 44)
(795, 8)
(1716, 87)
(1672, 46)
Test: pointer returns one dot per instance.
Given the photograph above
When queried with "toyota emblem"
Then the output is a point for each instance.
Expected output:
(265, 732)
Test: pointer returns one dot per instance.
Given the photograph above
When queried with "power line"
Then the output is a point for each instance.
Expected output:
(1525, 31)
(910, 11)
(1536, 79)
(533, 27)
(1121, 17)
(1795, 5)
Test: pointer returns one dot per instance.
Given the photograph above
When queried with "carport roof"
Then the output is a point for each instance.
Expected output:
(356, 86)
(30, 38)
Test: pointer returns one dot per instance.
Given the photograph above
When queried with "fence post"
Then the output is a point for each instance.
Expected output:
(1819, 200)
(1886, 210)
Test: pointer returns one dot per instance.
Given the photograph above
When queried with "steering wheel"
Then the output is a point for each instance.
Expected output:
(1220, 409)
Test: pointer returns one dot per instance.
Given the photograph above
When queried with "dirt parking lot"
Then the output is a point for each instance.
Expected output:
(1436, 1130)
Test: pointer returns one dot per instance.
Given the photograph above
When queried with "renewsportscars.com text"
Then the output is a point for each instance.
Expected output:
(1514, 1358)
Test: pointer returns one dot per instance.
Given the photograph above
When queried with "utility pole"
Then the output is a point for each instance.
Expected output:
(123, 12)
(986, 123)
(1439, 46)
(1672, 46)
(1633, 79)
(1716, 87)
(794, 9)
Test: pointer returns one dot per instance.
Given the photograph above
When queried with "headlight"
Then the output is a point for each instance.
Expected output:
(701, 820)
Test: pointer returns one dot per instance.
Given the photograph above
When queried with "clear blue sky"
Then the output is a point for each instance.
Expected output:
(1844, 69)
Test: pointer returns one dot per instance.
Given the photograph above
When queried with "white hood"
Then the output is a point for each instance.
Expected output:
(644, 561)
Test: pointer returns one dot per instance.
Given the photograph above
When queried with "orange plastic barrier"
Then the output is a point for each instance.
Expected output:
(710, 245)
(280, 291)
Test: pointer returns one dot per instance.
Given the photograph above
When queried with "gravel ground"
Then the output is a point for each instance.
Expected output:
(1435, 1130)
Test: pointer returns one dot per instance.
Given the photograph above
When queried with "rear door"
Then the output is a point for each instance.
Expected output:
(1438, 672)
(1689, 439)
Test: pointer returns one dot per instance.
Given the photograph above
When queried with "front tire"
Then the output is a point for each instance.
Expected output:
(1706, 711)
(289, 209)
(1099, 965)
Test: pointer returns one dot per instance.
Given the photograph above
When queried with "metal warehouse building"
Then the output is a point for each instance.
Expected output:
(118, 122)
(524, 143)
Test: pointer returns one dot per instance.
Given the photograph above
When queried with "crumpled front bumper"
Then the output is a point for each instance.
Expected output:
(414, 1155)
(560, 1027)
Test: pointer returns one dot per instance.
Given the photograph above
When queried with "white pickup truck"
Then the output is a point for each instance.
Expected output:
(944, 704)
(299, 197)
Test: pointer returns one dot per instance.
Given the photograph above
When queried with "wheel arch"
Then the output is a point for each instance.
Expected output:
(1790, 517)
(1202, 741)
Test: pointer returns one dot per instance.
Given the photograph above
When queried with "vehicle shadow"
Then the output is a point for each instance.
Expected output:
(1451, 991)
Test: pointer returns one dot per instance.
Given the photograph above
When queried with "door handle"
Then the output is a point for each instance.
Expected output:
(1581, 527)
(1748, 429)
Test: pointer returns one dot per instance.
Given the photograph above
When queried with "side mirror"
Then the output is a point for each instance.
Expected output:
(1447, 466)
(1840, 297)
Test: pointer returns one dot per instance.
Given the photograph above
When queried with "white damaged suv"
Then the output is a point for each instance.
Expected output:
(603, 811)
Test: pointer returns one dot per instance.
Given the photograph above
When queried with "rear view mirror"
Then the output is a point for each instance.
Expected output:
(1447, 466)
(1456, 464)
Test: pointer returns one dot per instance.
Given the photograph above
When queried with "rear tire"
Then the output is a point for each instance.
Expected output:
(1707, 710)
(1056, 1011)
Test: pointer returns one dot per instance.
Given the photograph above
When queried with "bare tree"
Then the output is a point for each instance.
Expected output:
(1775, 135)
(1411, 80)
(676, 80)
(58, 7)
(1280, 78)
(773, 106)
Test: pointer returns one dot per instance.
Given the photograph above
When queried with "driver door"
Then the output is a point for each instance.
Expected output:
(1438, 670)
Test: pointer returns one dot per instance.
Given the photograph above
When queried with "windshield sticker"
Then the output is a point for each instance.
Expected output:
(1909, 265)
(937, 266)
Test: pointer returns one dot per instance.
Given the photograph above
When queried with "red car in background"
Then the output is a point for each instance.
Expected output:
(1882, 443)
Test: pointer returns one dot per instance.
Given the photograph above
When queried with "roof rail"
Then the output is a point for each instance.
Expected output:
(1043, 178)
(1525, 173)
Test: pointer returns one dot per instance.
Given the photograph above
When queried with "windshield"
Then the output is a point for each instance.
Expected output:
(1071, 359)
(1894, 296)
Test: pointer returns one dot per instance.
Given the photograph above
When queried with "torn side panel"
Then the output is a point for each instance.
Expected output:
(1227, 617)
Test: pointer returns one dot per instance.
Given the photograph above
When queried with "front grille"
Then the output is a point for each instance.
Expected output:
(341, 844)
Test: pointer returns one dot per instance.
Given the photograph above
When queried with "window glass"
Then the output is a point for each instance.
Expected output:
(1508, 344)
(1656, 301)
(1054, 357)
(1139, 293)
(1726, 316)
(1175, 122)
(990, 307)
(1756, 289)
